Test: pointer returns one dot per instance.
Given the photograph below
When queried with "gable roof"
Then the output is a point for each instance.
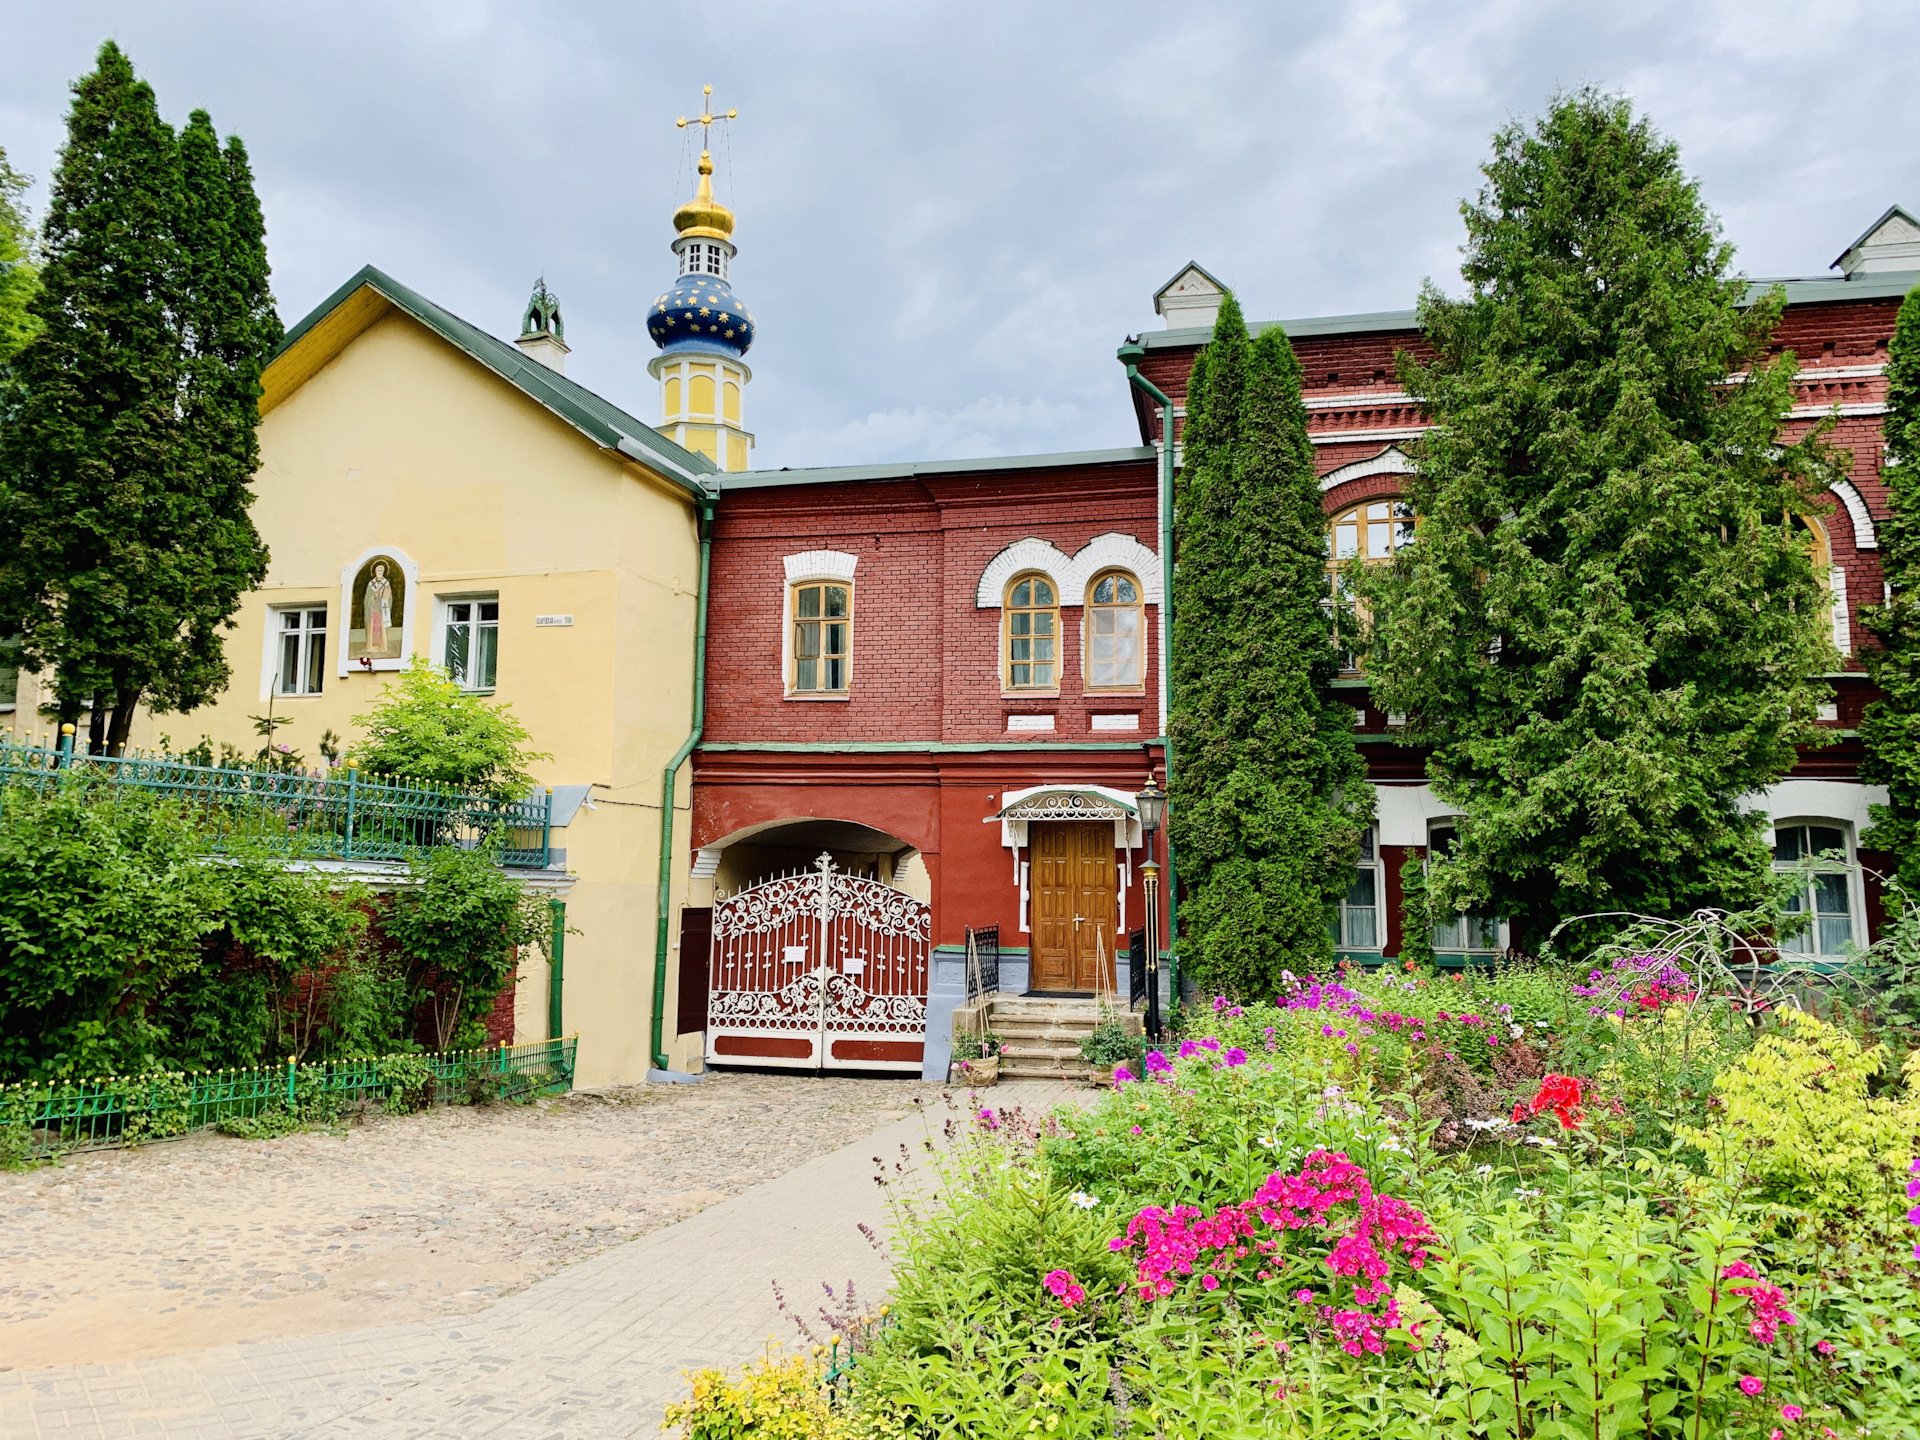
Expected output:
(355, 306)
(1892, 212)
(1181, 274)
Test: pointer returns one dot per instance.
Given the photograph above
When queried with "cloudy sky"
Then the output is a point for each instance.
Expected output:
(950, 214)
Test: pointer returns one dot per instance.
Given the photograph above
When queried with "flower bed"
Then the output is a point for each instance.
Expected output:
(1628, 1200)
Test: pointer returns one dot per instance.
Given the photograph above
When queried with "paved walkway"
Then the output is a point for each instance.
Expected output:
(594, 1352)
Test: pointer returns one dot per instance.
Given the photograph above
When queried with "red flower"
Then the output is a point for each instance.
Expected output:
(1558, 1093)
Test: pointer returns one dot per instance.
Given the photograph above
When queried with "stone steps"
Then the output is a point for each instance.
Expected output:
(1041, 1037)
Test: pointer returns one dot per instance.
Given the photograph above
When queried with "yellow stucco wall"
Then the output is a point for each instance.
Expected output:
(402, 441)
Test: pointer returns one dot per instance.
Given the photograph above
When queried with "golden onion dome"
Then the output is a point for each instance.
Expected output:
(703, 215)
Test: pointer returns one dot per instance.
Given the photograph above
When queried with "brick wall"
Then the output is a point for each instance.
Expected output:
(925, 659)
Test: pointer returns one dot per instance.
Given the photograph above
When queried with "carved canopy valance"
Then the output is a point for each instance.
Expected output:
(1067, 804)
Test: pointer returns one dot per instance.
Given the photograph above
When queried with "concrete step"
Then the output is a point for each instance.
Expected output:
(1043, 1070)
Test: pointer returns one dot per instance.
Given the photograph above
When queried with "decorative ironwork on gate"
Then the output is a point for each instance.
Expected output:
(820, 968)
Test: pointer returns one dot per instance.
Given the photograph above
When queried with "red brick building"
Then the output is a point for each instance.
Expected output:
(878, 692)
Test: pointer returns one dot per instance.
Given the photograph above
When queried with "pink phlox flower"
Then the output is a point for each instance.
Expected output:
(1157, 1061)
(1740, 1270)
(1121, 1075)
(1790, 1413)
(1188, 1048)
(1065, 1288)
(1825, 1347)
(1209, 1043)
(1235, 1056)
(1769, 1309)
(1751, 1384)
(988, 1120)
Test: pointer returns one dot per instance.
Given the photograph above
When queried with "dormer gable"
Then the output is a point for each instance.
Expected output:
(1191, 299)
(1891, 243)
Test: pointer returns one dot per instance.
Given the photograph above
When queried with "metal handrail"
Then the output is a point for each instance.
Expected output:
(337, 814)
(983, 961)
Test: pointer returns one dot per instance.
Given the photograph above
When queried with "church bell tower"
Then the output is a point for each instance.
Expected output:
(702, 328)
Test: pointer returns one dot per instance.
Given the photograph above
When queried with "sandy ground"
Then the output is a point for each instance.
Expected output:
(209, 1240)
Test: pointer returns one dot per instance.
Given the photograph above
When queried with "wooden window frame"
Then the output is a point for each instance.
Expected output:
(1139, 607)
(1848, 869)
(1007, 612)
(791, 642)
(1337, 563)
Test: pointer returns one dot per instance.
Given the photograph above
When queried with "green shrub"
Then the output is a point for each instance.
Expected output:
(426, 727)
(976, 1045)
(1108, 1044)
(458, 923)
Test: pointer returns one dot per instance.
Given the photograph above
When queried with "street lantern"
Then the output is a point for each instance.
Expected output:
(1152, 804)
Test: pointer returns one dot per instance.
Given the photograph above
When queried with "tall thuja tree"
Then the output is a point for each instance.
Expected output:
(1269, 799)
(19, 277)
(1609, 629)
(124, 538)
(1890, 728)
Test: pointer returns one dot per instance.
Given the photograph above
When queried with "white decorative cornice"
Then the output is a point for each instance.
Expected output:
(1071, 574)
(1864, 536)
(820, 565)
(1390, 461)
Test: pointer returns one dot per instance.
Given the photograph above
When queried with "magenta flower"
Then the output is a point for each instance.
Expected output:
(1064, 1288)
(988, 1120)
(1157, 1062)
(1825, 1347)
(1121, 1075)
(1236, 1056)
(1210, 1282)
(1751, 1384)
(1188, 1048)
(1305, 1297)
(1791, 1413)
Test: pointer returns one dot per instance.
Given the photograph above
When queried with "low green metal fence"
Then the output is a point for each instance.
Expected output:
(56, 1117)
(331, 815)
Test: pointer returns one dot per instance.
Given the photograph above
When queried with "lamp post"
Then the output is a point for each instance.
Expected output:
(1152, 803)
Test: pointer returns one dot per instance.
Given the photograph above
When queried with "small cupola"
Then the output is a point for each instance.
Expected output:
(542, 331)
(1891, 243)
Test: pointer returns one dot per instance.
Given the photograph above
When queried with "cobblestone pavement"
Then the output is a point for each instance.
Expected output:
(592, 1352)
(209, 1239)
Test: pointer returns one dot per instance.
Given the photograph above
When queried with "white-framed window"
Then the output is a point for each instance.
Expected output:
(470, 640)
(1467, 933)
(1032, 612)
(1829, 893)
(300, 649)
(1360, 923)
(9, 673)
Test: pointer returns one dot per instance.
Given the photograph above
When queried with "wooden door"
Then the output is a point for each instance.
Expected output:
(696, 953)
(1071, 890)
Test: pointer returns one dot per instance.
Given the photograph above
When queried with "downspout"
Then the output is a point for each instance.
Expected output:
(706, 508)
(1130, 355)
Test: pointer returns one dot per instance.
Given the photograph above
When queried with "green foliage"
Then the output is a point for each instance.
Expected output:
(773, 1398)
(459, 922)
(19, 275)
(125, 469)
(976, 1045)
(425, 727)
(1109, 1043)
(1890, 726)
(103, 906)
(1609, 629)
(1268, 805)
(1798, 1118)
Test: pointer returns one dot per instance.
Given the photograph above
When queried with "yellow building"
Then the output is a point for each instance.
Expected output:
(428, 489)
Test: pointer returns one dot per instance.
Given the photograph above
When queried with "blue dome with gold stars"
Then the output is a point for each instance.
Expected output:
(701, 313)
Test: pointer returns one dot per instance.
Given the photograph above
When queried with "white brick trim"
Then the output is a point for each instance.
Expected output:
(1390, 461)
(1864, 536)
(820, 565)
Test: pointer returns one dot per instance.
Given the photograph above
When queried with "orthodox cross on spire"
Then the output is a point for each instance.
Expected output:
(706, 119)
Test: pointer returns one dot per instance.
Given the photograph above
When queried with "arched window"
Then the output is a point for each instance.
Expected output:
(1115, 654)
(1032, 634)
(1373, 531)
(1820, 855)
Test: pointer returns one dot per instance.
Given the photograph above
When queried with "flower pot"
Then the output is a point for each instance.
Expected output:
(981, 1072)
(1102, 1075)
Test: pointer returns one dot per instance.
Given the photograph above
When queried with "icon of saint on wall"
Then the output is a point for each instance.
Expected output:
(379, 611)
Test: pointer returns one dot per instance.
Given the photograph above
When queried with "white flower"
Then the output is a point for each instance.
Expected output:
(1544, 1144)
(1499, 1122)
(1516, 1031)
(1266, 1140)
(1390, 1143)
(1084, 1200)
(1483, 1171)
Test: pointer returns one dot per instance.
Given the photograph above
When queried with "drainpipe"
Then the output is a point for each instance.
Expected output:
(1130, 355)
(667, 777)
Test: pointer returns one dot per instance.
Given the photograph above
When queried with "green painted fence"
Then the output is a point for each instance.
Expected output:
(330, 815)
(52, 1118)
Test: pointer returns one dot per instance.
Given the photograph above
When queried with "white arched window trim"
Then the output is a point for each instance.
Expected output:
(1864, 535)
(1390, 461)
(1070, 574)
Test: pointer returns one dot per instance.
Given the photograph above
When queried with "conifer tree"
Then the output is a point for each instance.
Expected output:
(124, 538)
(1268, 799)
(1608, 629)
(1890, 728)
(18, 274)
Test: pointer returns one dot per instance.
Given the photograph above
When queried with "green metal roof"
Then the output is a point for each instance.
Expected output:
(908, 470)
(600, 420)
(1804, 290)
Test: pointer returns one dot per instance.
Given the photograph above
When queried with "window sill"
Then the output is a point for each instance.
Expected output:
(1029, 694)
(1136, 692)
(808, 697)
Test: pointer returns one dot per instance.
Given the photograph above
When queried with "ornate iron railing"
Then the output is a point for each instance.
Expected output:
(55, 1117)
(333, 815)
(1136, 968)
(983, 961)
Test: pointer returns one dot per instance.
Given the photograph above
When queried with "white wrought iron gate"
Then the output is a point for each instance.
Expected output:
(820, 969)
